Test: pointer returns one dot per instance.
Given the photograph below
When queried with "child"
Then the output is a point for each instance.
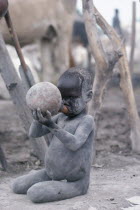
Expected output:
(69, 154)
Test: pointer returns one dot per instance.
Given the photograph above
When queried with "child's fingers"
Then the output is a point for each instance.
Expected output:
(34, 113)
(48, 115)
(40, 116)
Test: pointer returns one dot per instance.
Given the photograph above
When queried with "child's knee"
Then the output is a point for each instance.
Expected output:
(83, 186)
(18, 186)
(33, 195)
(85, 189)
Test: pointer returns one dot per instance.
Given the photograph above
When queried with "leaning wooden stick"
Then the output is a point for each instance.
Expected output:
(15, 39)
(26, 71)
(17, 47)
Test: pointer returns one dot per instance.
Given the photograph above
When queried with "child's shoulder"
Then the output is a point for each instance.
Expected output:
(89, 120)
(61, 116)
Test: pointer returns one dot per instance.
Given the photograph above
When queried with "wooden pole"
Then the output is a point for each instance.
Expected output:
(125, 80)
(133, 37)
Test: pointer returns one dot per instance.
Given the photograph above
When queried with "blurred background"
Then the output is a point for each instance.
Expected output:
(107, 10)
(53, 38)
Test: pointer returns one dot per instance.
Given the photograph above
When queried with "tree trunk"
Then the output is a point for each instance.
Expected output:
(125, 82)
(17, 92)
(104, 62)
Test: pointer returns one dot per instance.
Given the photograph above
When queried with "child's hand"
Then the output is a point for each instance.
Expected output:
(44, 119)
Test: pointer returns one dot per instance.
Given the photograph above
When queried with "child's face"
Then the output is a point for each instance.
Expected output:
(73, 94)
(74, 101)
(74, 104)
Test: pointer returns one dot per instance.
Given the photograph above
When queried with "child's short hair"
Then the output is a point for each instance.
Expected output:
(82, 75)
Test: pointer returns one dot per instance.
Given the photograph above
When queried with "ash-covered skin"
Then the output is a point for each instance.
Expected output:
(69, 154)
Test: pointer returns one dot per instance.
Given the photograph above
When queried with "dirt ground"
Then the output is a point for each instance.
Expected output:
(115, 175)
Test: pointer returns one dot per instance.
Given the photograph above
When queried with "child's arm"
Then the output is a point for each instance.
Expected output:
(37, 129)
(72, 142)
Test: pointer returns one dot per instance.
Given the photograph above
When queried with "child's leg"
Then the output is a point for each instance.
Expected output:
(23, 183)
(56, 190)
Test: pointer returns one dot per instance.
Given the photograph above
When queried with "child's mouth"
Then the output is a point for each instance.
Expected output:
(64, 109)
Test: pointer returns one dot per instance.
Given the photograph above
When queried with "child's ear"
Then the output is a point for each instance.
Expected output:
(89, 95)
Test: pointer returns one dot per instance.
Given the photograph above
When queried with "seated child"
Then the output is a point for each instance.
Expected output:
(69, 155)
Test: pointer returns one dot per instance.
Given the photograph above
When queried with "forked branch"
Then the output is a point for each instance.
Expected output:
(92, 16)
(104, 62)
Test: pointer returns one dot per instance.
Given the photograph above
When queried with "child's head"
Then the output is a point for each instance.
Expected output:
(75, 86)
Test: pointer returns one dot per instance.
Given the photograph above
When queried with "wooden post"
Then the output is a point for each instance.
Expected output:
(17, 93)
(133, 38)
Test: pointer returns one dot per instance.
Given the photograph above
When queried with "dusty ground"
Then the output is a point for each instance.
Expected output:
(115, 175)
